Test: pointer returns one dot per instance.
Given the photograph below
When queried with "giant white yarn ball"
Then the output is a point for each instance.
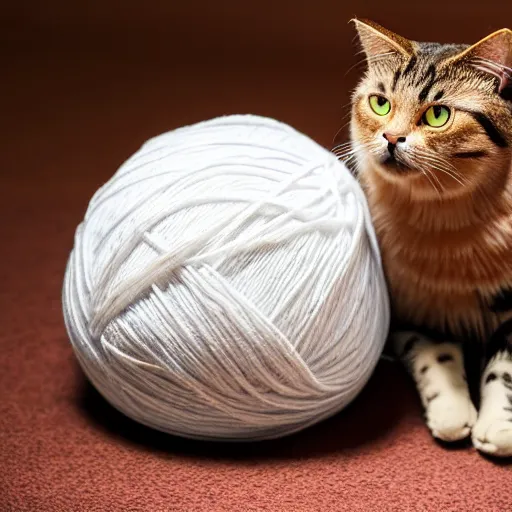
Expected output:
(226, 283)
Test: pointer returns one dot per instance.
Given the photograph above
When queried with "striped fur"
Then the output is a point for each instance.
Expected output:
(441, 201)
(446, 234)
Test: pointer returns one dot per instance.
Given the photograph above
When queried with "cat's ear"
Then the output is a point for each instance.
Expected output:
(378, 41)
(493, 54)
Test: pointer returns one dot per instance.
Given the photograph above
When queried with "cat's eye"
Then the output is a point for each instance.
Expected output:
(380, 105)
(436, 116)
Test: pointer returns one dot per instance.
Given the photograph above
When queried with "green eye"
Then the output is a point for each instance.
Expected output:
(380, 105)
(436, 116)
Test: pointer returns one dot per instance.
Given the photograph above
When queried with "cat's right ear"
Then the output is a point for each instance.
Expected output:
(379, 42)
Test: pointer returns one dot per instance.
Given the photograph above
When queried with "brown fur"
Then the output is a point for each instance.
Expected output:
(445, 234)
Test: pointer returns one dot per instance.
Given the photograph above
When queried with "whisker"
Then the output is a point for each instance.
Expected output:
(455, 178)
(429, 171)
(343, 152)
(354, 39)
(356, 168)
(381, 55)
(429, 175)
(459, 179)
(347, 155)
(440, 168)
(426, 174)
(342, 127)
(429, 153)
(349, 104)
(441, 165)
(349, 152)
(344, 145)
(369, 60)
(358, 63)
(360, 52)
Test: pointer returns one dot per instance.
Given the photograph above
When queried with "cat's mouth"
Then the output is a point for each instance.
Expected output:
(392, 164)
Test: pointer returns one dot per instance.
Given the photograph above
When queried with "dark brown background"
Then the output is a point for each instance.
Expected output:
(82, 85)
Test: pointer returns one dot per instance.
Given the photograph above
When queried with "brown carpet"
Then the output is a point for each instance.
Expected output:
(71, 110)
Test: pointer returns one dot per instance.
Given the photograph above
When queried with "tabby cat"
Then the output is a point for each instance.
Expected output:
(431, 143)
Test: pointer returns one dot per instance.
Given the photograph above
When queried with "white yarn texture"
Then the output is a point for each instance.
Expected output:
(226, 283)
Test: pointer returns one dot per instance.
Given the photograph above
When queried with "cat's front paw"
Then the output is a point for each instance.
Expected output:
(450, 416)
(438, 370)
(493, 436)
(492, 433)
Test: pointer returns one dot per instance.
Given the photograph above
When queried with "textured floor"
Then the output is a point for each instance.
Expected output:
(67, 123)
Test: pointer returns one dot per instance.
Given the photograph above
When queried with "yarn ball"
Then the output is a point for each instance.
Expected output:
(226, 283)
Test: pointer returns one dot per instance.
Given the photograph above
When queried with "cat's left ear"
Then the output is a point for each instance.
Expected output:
(493, 54)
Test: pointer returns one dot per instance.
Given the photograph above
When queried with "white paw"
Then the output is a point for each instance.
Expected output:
(492, 433)
(493, 436)
(450, 416)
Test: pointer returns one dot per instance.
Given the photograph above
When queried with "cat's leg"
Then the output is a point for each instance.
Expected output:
(492, 433)
(438, 371)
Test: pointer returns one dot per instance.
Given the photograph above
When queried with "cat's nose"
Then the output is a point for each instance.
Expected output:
(393, 139)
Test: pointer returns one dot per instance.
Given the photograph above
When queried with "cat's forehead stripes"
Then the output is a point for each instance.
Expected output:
(410, 65)
(396, 77)
(429, 79)
(424, 70)
(422, 75)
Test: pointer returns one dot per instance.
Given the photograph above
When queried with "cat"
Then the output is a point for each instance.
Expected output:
(431, 144)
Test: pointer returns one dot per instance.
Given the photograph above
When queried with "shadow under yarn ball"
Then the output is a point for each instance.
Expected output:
(226, 283)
